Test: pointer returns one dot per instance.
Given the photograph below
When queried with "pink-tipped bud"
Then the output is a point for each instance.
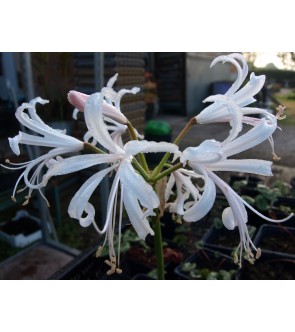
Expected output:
(78, 99)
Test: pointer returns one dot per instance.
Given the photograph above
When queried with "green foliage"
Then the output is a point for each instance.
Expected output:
(194, 272)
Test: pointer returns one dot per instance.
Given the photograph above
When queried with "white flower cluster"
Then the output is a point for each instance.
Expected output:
(106, 124)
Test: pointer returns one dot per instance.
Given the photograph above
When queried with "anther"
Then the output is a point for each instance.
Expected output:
(98, 251)
(275, 157)
(258, 253)
(280, 113)
(13, 198)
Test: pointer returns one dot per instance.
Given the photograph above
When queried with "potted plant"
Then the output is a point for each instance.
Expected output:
(218, 238)
(276, 239)
(207, 265)
(270, 266)
(22, 230)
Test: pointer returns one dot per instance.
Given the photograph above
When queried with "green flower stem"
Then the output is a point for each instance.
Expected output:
(184, 131)
(166, 172)
(92, 148)
(140, 170)
(158, 245)
(141, 155)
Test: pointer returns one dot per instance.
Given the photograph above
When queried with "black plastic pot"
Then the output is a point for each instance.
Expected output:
(279, 239)
(142, 277)
(207, 260)
(88, 267)
(224, 240)
(270, 266)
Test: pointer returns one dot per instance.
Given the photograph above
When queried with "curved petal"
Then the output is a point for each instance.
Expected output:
(204, 205)
(135, 147)
(236, 117)
(261, 132)
(254, 166)
(245, 95)
(134, 184)
(242, 72)
(95, 123)
(80, 202)
(228, 219)
(62, 166)
(136, 216)
(61, 142)
(208, 151)
(169, 186)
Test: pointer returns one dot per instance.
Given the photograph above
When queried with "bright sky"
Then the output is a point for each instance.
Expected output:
(264, 58)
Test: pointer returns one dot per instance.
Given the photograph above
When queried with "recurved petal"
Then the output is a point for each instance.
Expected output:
(135, 214)
(80, 202)
(242, 73)
(205, 203)
(208, 151)
(14, 144)
(62, 166)
(134, 184)
(245, 95)
(254, 166)
(135, 147)
(228, 218)
(262, 131)
(233, 111)
(95, 123)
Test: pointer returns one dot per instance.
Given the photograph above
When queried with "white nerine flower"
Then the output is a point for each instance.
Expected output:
(48, 137)
(136, 194)
(232, 104)
(212, 156)
(231, 107)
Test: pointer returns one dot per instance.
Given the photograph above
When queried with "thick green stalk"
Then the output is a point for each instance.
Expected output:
(184, 131)
(141, 155)
(92, 148)
(158, 246)
(167, 171)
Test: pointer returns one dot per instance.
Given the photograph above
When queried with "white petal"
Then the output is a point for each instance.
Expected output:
(234, 113)
(114, 113)
(136, 216)
(76, 163)
(80, 202)
(204, 205)
(253, 137)
(14, 144)
(137, 186)
(242, 73)
(169, 186)
(254, 166)
(207, 152)
(228, 219)
(95, 123)
(134, 147)
(245, 95)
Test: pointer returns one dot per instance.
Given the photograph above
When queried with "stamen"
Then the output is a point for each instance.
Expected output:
(112, 263)
(258, 253)
(13, 198)
(280, 113)
(275, 157)
(98, 251)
